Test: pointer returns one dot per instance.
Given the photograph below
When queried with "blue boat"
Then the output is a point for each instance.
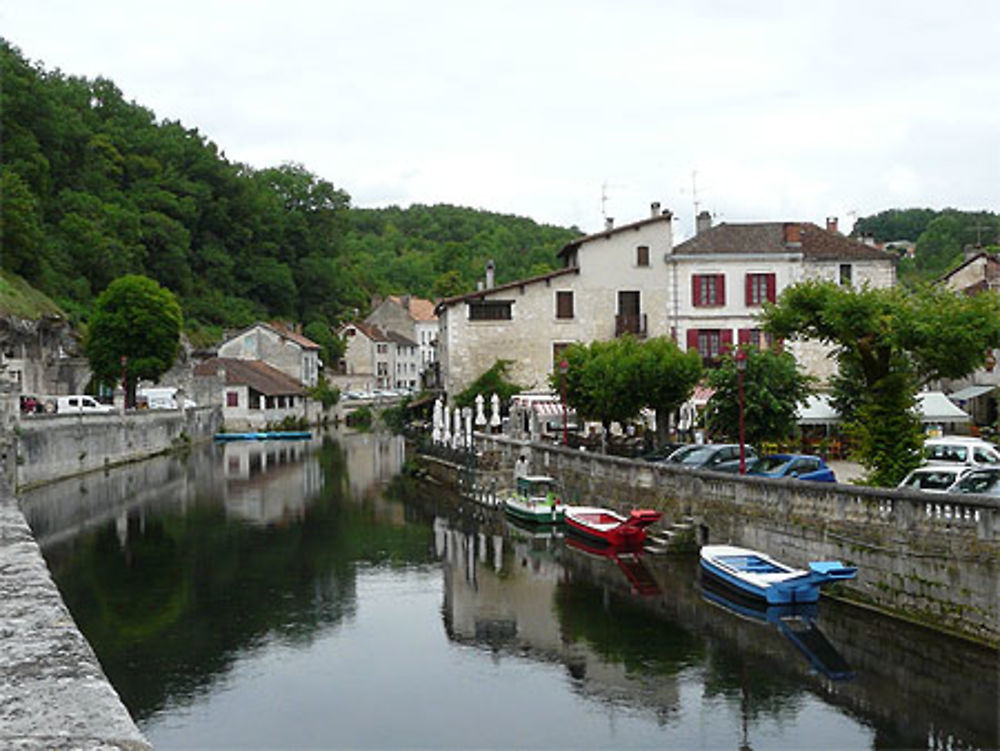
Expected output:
(266, 435)
(758, 575)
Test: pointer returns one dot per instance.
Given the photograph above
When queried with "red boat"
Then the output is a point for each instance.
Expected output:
(605, 526)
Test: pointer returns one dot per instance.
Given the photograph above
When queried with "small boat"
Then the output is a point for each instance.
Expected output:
(758, 575)
(535, 500)
(266, 435)
(610, 528)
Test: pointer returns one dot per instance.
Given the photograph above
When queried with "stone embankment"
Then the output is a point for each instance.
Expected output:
(53, 693)
(930, 559)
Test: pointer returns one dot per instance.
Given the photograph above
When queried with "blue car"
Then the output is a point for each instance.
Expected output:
(799, 466)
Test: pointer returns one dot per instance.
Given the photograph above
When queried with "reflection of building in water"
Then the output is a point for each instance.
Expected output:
(372, 459)
(500, 593)
(269, 482)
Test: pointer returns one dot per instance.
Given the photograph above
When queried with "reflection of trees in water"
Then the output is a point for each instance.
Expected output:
(171, 604)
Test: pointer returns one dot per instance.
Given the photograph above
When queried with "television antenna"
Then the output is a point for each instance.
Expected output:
(604, 197)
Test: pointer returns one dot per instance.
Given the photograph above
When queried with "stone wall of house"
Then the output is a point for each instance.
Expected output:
(277, 351)
(48, 447)
(936, 561)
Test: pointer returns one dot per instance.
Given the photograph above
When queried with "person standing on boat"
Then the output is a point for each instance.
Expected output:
(520, 467)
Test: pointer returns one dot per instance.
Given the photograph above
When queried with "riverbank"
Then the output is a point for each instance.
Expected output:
(53, 692)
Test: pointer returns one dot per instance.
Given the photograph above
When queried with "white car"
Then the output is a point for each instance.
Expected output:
(974, 452)
(81, 404)
(935, 478)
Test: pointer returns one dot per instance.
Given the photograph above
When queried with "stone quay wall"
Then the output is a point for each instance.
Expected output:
(930, 559)
(53, 692)
(49, 447)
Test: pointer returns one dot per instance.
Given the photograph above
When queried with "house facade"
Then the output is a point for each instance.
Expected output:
(612, 283)
(721, 278)
(253, 394)
(366, 363)
(282, 348)
(413, 318)
(706, 293)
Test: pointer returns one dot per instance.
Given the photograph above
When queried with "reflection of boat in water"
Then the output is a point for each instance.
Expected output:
(528, 530)
(795, 621)
(756, 574)
(607, 527)
(535, 500)
(266, 435)
(629, 561)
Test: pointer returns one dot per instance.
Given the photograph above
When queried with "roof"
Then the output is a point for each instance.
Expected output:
(418, 308)
(483, 293)
(370, 330)
(970, 392)
(666, 216)
(817, 410)
(816, 243)
(397, 338)
(934, 406)
(256, 374)
(282, 331)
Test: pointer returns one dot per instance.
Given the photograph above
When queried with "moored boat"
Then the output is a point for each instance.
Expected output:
(535, 500)
(755, 574)
(609, 527)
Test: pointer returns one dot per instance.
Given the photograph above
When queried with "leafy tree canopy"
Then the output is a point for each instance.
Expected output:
(773, 389)
(137, 319)
(496, 380)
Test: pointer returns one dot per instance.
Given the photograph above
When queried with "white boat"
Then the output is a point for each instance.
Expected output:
(536, 500)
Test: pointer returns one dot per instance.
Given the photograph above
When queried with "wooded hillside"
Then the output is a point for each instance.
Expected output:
(94, 187)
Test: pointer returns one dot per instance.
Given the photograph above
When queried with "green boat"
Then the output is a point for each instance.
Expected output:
(535, 500)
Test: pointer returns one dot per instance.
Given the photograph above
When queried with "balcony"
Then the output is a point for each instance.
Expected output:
(631, 323)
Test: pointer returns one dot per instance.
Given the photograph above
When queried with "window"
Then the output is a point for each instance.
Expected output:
(760, 289)
(709, 343)
(642, 255)
(756, 338)
(708, 290)
(845, 274)
(232, 399)
(564, 305)
(557, 353)
(490, 310)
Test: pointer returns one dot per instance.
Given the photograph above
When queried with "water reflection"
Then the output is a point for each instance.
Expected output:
(182, 570)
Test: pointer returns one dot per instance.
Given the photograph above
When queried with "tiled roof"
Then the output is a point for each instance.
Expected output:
(370, 330)
(768, 237)
(398, 338)
(279, 329)
(419, 308)
(256, 374)
(482, 293)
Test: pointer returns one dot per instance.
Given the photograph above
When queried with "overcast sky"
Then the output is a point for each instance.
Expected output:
(759, 110)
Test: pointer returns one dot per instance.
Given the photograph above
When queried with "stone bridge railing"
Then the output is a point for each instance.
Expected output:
(929, 558)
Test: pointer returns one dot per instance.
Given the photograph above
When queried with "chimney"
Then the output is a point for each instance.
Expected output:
(490, 269)
(654, 209)
(831, 224)
(702, 222)
(792, 234)
(609, 223)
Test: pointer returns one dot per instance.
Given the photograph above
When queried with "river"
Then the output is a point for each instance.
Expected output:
(307, 595)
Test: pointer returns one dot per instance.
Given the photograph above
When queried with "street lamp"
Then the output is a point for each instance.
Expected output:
(563, 368)
(741, 365)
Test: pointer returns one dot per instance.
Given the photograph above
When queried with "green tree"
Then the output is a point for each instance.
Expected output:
(667, 376)
(137, 319)
(773, 388)
(895, 340)
(604, 380)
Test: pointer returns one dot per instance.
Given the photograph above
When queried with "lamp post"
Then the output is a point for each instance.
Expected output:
(124, 361)
(741, 365)
(563, 368)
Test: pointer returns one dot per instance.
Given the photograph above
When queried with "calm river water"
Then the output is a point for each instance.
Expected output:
(304, 595)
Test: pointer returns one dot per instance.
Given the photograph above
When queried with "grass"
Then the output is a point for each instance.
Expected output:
(20, 299)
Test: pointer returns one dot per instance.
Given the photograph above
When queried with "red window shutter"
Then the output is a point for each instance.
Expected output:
(695, 290)
(749, 290)
(725, 339)
(743, 336)
(692, 339)
(720, 294)
(772, 288)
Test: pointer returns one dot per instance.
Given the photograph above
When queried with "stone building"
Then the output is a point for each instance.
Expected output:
(281, 348)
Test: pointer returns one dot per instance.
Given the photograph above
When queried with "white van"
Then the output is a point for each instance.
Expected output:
(81, 404)
(967, 450)
(161, 397)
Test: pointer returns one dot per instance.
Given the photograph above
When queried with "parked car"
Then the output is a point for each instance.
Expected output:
(801, 466)
(980, 481)
(661, 453)
(161, 397)
(720, 457)
(961, 450)
(935, 478)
